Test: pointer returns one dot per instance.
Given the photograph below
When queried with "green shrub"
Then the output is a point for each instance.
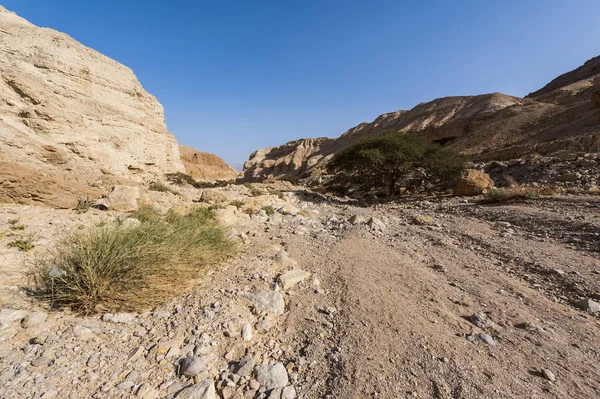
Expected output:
(131, 268)
(381, 161)
(256, 192)
(161, 187)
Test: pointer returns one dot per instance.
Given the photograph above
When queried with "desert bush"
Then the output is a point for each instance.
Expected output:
(161, 187)
(83, 205)
(379, 162)
(495, 195)
(255, 192)
(130, 268)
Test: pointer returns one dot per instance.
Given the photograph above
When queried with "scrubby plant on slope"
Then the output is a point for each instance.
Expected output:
(121, 267)
(381, 161)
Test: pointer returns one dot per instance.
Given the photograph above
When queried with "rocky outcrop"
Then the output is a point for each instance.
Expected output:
(75, 114)
(473, 182)
(203, 166)
(563, 116)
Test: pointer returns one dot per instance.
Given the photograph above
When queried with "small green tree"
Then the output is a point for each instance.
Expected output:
(381, 161)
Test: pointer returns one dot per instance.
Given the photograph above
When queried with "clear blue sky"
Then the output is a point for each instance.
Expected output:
(235, 76)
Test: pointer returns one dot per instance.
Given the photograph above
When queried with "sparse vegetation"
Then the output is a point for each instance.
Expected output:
(18, 227)
(83, 205)
(134, 268)
(23, 244)
(181, 179)
(379, 162)
(237, 203)
(495, 195)
(161, 187)
(269, 210)
(255, 192)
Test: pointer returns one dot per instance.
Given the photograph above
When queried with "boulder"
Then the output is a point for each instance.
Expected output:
(268, 302)
(473, 182)
(121, 199)
(288, 279)
(271, 376)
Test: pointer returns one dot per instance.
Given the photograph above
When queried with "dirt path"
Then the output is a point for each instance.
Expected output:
(404, 302)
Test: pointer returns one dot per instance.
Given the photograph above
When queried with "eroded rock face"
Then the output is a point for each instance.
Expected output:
(203, 166)
(67, 110)
(562, 116)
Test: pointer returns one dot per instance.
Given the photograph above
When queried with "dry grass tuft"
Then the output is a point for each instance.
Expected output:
(115, 267)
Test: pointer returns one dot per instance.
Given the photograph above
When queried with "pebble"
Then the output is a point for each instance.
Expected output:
(549, 375)
(268, 302)
(247, 332)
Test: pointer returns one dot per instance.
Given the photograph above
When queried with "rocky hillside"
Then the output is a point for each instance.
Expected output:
(565, 115)
(203, 166)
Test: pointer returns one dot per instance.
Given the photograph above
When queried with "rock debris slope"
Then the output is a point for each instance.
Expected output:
(565, 115)
(74, 114)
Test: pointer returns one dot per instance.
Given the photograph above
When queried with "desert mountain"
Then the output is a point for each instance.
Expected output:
(71, 117)
(203, 166)
(564, 115)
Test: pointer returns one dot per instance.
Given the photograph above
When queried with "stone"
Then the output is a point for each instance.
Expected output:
(549, 375)
(244, 367)
(83, 333)
(121, 199)
(271, 376)
(422, 220)
(568, 177)
(33, 319)
(288, 392)
(193, 365)
(145, 391)
(473, 182)
(486, 338)
(376, 224)
(264, 325)
(203, 390)
(268, 302)
(289, 279)
(567, 157)
(589, 305)
(123, 318)
(247, 332)
(356, 220)
(42, 361)
(9, 316)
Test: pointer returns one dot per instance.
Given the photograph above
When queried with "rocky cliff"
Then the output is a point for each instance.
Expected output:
(565, 115)
(73, 115)
(203, 166)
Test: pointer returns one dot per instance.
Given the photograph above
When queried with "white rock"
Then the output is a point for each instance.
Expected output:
(268, 302)
(147, 392)
(203, 390)
(194, 365)
(288, 392)
(247, 332)
(9, 316)
(33, 319)
(271, 376)
(288, 279)
(130, 223)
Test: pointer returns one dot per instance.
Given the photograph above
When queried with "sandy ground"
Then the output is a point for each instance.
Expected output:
(399, 310)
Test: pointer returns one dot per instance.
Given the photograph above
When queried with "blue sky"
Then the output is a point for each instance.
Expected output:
(235, 76)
